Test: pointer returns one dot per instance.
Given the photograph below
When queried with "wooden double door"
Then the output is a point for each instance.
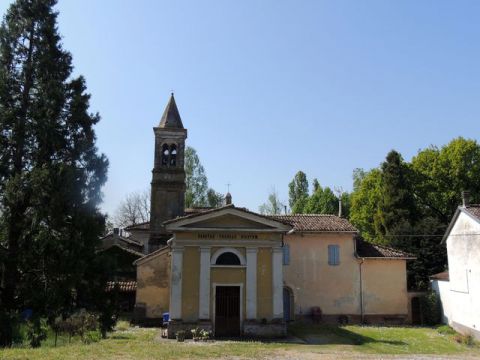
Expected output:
(227, 311)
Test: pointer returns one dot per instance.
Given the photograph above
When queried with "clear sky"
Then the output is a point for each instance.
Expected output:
(267, 88)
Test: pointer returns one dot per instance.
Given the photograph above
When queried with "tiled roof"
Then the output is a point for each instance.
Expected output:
(123, 248)
(229, 206)
(299, 222)
(122, 238)
(474, 209)
(123, 286)
(141, 226)
(443, 276)
(316, 222)
(369, 250)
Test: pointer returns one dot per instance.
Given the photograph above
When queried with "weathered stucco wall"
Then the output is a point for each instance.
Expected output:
(153, 278)
(463, 248)
(264, 284)
(335, 289)
(190, 283)
(384, 287)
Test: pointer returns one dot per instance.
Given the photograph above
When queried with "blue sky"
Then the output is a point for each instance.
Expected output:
(267, 88)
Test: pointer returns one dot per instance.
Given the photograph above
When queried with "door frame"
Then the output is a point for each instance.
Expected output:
(214, 288)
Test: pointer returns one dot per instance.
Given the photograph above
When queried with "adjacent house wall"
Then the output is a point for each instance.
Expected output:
(463, 247)
(334, 288)
(153, 279)
(385, 287)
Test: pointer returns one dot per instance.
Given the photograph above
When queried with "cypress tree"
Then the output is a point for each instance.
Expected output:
(50, 170)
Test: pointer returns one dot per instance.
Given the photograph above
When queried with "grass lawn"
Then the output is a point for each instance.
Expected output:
(346, 341)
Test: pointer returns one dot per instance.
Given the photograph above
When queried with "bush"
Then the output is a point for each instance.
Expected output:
(430, 309)
(37, 332)
(79, 323)
(92, 337)
(446, 330)
(464, 339)
(122, 325)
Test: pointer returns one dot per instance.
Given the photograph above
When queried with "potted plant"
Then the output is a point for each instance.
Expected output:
(180, 335)
(196, 334)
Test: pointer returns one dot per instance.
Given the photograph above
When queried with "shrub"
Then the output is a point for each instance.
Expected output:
(430, 309)
(464, 339)
(77, 324)
(92, 337)
(36, 332)
(446, 330)
(122, 325)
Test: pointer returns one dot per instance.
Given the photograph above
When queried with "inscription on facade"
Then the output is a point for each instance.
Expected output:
(227, 236)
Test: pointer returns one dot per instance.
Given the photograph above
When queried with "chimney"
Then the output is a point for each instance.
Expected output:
(466, 198)
(339, 207)
(228, 199)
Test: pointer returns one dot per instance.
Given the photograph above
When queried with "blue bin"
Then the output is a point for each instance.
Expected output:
(165, 317)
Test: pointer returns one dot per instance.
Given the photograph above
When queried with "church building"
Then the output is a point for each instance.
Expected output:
(236, 272)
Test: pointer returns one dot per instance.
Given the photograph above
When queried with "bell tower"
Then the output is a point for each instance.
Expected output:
(167, 199)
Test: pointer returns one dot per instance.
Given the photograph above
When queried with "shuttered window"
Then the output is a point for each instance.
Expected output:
(333, 255)
(286, 254)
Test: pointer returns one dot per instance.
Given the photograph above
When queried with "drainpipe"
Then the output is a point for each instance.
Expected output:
(361, 290)
(361, 279)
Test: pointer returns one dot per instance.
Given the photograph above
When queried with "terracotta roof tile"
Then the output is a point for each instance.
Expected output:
(123, 286)
(316, 222)
(369, 250)
(474, 209)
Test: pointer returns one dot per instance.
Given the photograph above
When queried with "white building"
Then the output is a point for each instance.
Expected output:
(459, 290)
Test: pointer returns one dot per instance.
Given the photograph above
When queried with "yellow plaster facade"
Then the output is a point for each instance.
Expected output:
(184, 277)
(153, 284)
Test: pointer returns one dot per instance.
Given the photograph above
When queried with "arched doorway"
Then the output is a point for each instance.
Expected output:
(288, 304)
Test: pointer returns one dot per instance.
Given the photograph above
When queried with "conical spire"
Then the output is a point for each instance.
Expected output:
(171, 116)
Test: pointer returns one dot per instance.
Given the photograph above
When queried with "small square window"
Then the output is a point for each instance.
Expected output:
(333, 255)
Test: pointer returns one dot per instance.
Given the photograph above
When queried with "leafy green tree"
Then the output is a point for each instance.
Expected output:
(322, 201)
(273, 206)
(365, 198)
(196, 180)
(50, 171)
(298, 192)
(214, 199)
(443, 173)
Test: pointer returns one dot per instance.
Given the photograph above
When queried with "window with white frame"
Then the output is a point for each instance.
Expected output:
(333, 255)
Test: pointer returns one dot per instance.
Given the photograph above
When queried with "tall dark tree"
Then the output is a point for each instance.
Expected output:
(298, 192)
(397, 206)
(50, 170)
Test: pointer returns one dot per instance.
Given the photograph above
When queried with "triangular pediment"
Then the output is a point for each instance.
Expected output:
(228, 221)
(228, 218)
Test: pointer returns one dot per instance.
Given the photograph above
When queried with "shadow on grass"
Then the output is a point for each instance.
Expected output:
(334, 335)
(303, 334)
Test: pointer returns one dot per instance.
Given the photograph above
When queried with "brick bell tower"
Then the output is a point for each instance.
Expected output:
(167, 199)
